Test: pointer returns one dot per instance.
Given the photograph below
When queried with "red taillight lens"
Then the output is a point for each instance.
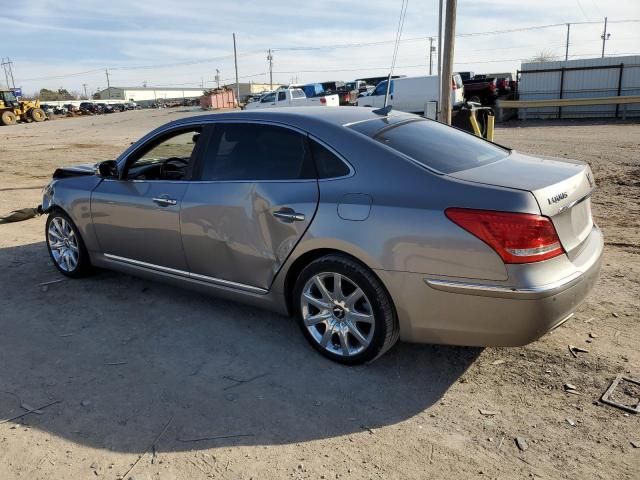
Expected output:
(516, 237)
(323, 100)
(453, 84)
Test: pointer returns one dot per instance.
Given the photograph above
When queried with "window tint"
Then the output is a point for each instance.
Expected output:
(438, 146)
(327, 163)
(248, 151)
(282, 96)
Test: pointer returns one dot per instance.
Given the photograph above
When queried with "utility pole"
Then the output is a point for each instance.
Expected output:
(106, 71)
(8, 72)
(270, 58)
(439, 107)
(566, 50)
(605, 36)
(217, 78)
(235, 61)
(85, 91)
(431, 49)
(447, 61)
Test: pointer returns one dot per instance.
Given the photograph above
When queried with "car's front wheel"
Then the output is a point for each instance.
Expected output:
(344, 311)
(66, 249)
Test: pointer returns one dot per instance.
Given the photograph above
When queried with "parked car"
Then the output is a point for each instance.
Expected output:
(60, 110)
(131, 105)
(409, 94)
(293, 97)
(366, 227)
(89, 107)
(119, 107)
(105, 108)
(479, 88)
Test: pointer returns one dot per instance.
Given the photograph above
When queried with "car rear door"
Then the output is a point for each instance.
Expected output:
(137, 217)
(253, 197)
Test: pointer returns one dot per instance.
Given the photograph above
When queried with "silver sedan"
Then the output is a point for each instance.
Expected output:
(368, 228)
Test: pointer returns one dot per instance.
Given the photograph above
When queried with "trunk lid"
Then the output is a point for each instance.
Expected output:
(561, 187)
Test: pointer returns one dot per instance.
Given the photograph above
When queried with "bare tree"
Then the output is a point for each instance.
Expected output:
(542, 56)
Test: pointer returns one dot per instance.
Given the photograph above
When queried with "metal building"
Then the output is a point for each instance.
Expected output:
(149, 94)
(584, 78)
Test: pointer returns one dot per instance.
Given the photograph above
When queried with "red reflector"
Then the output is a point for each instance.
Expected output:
(516, 237)
(323, 100)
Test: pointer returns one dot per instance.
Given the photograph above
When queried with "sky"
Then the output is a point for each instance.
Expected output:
(68, 43)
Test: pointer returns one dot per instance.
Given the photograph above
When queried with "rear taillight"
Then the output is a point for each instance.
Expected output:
(516, 237)
(453, 84)
(323, 100)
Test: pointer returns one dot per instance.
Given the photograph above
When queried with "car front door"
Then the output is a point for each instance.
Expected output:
(136, 217)
(253, 197)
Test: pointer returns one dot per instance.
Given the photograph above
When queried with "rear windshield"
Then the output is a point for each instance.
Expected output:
(435, 145)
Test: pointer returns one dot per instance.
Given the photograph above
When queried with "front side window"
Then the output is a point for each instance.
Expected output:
(256, 152)
(381, 88)
(166, 158)
(269, 98)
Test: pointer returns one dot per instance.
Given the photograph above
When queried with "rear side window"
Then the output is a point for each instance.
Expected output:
(327, 163)
(297, 93)
(282, 96)
(252, 151)
(438, 146)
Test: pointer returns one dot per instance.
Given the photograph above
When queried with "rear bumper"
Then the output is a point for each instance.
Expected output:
(513, 313)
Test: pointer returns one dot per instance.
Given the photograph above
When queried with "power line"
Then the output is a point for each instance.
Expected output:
(322, 47)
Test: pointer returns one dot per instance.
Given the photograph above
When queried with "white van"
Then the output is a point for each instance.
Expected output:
(409, 94)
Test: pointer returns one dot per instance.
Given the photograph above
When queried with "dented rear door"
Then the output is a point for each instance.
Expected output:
(247, 211)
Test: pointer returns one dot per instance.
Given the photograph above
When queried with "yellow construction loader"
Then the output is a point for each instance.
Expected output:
(12, 110)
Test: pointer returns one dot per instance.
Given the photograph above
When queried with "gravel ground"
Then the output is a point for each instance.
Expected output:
(204, 388)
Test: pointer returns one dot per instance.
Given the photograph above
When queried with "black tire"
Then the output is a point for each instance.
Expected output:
(83, 265)
(37, 115)
(386, 329)
(8, 118)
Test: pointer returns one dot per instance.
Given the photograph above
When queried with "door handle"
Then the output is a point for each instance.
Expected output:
(164, 202)
(289, 215)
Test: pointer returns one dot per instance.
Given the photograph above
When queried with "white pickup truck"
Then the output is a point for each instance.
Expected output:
(293, 97)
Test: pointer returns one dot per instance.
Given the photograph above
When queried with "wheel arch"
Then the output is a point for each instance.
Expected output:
(300, 262)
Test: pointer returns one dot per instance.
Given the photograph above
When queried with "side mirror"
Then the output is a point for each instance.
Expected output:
(107, 169)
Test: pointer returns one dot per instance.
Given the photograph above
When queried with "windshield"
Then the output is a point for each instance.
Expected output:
(435, 145)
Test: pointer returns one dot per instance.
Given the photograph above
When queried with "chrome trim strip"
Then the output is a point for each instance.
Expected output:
(485, 290)
(575, 202)
(182, 273)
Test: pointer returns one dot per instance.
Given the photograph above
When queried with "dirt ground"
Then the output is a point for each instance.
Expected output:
(210, 389)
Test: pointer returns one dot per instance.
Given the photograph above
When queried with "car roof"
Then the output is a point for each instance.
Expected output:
(304, 117)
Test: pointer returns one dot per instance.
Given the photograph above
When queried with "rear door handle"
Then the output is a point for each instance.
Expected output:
(289, 215)
(164, 202)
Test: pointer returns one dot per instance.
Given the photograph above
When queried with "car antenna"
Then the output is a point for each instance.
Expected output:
(387, 108)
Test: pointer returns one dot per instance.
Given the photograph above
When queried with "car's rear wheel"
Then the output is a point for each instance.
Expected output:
(344, 311)
(66, 248)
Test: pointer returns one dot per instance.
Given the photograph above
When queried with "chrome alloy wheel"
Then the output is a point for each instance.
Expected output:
(63, 244)
(337, 314)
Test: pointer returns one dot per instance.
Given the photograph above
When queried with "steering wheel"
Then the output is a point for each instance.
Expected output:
(168, 161)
